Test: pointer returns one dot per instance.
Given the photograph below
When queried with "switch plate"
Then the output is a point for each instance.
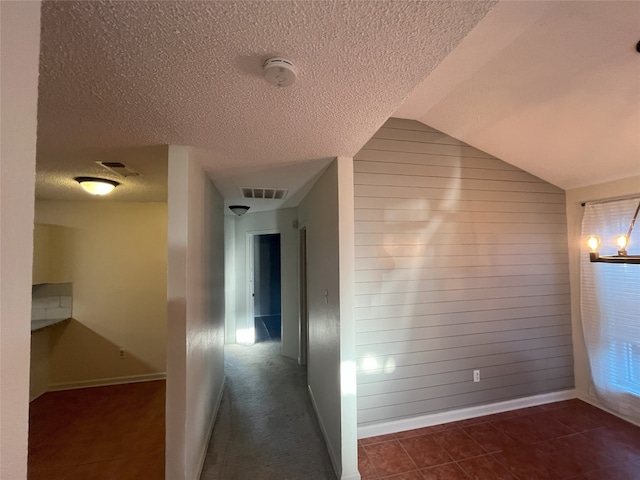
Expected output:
(476, 375)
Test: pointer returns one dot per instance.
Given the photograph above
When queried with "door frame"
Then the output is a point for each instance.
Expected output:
(249, 327)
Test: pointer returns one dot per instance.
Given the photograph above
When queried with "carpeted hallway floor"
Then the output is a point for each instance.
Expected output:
(266, 428)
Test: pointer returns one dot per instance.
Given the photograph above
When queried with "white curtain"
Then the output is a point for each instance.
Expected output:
(610, 304)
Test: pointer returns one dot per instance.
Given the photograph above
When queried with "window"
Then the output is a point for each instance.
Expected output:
(610, 304)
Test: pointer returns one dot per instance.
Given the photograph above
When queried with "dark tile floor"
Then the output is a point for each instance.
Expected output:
(563, 440)
(100, 433)
(117, 432)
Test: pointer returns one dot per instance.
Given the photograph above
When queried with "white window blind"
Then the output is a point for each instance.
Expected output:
(610, 304)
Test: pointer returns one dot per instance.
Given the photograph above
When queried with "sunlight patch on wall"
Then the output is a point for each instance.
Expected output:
(348, 378)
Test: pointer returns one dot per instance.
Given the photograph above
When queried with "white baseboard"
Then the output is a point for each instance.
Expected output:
(462, 414)
(102, 382)
(212, 422)
(336, 467)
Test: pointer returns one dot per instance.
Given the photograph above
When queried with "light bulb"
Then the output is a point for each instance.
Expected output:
(593, 242)
(97, 188)
(622, 242)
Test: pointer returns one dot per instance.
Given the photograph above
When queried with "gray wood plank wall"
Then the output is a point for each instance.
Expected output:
(461, 264)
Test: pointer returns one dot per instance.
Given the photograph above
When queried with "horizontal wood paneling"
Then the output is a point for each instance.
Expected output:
(374, 372)
(394, 335)
(424, 148)
(450, 191)
(444, 272)
(465, 352)
(456, 206)
(461, 264)
(458, 182)
(460, 395)
(453, 261)
(462, 375)
(489, 339)
(471, 172)
(420, 250)
(369, 416)
(397, 158)
(408, 125)
(413, 239)
(420, 136)
(456, 295)
(417, 321)
(404, 215)
(457, 385)
(435, 285)
(447, 228)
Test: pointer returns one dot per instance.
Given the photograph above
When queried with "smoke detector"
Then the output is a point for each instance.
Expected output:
(279, 72)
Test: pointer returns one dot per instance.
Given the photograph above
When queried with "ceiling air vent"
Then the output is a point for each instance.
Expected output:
(119, 169)
(267, 193)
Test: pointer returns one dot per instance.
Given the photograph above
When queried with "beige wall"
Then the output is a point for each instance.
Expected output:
(41, 259)
(20, 27)
(195, 286)
(40, 365)
(575, 210)
(115, 255)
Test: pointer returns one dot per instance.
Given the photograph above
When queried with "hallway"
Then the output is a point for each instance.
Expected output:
(266, 427)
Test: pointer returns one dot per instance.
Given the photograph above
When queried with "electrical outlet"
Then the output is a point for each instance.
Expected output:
(476, 375)
(122, 353)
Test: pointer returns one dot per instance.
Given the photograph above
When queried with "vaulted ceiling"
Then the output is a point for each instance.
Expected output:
(552, 87)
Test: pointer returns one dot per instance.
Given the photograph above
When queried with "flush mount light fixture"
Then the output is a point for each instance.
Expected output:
(97, 186)
(239, 209)
(622, 242)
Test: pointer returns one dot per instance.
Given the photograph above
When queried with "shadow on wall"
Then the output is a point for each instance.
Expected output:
(79, 354)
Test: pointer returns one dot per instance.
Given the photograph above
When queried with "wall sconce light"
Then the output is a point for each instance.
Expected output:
(239, 209)
(622, 241)
(97, 186)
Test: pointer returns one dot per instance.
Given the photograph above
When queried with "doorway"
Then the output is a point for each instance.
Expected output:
(267, 287)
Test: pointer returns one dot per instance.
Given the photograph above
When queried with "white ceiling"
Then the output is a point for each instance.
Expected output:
(552, 87)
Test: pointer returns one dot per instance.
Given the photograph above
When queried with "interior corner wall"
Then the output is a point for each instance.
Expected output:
(348, 377)
(319, 214)
(115, 256)
(195, 345)
(268, 222)
(575, 212)
(19, 56)
(461, 264)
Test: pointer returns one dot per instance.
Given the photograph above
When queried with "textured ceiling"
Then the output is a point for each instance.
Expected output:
(116, 75)
(551, 87)
(55, 176)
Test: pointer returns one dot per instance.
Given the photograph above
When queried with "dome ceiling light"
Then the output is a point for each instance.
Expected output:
(239, 209)
(97, 186)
